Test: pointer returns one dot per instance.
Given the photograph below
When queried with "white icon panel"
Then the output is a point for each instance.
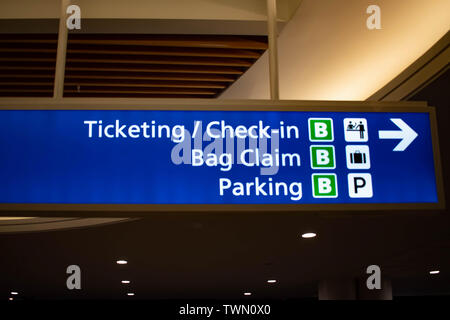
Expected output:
(356, 130)
(360, 185)
(358, 157)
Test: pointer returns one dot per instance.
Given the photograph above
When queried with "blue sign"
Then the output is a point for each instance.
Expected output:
(215, 157)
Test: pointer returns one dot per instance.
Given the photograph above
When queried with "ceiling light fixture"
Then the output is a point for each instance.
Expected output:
(126, 281)
(271, 281)
(434, 272)
(14, 293)
(309, 235)
(247, 293)
(122, 261)
(130, 294)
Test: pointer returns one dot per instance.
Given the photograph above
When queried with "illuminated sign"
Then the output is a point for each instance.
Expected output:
(329, 159)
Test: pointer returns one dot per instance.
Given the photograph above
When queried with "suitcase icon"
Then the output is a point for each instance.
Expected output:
(358, 157)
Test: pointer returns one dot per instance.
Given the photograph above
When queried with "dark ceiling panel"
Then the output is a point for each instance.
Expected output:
(24, 73)
(127, 65)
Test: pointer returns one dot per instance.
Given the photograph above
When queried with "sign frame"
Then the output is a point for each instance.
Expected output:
(142, 210)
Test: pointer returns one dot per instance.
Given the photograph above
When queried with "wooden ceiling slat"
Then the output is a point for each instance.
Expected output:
(212, 70)
(191, 41)
(28, 60)
(160, 68)
(162, 60)
(230, 44)
(188, 41)
(146, 51)
(26, 55)
(18, 90)
(26, 94)
(83, 58)
(25, 82)
(129, 95)
(31, 40)
(173, 91)
(150, 84)
(44, 74)
(27, 50)
(27, 75)
(102, 83)
(150, 76)
(176, 52)
(23, 65)
(18, 68)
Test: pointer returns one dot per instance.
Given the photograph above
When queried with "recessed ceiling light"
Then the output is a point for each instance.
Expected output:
(14, 293)
(122, 261)
(271, 281)
(434, 272)
(11, 299)
(247, 293)
(130, 294)
(126, 281)
(309, 235)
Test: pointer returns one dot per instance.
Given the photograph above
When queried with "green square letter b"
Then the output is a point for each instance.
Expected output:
(320, 129)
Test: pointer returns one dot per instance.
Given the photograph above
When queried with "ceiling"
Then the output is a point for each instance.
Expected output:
(126, 65)
(219, 10)
(325, 52)
(221, 257)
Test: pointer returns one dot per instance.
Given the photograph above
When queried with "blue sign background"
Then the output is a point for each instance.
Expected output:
(47, 157)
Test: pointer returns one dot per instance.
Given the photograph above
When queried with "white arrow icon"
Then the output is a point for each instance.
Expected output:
(406, 134)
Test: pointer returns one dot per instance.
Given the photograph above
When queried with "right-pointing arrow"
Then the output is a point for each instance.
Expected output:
(405, 133)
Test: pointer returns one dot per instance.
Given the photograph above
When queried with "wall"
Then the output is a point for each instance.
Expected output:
(326, 51)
